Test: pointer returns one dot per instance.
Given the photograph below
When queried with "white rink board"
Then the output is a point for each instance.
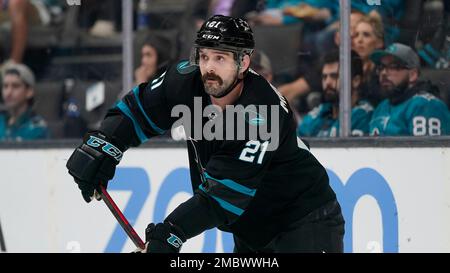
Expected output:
(406, 207)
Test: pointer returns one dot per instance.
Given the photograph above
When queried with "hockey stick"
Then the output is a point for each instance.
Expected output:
(121, 219)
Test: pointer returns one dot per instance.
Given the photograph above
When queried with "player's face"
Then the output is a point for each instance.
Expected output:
(15, 93)
(392, 75)
(219, 70)
(330, 82)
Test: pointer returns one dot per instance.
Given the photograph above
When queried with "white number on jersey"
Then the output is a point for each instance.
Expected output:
(422, 126)
(251, 149)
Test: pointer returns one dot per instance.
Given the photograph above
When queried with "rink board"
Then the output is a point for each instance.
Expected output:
(394, 200)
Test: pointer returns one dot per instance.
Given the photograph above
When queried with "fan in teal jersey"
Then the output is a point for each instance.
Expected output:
(18, 122)
(323, 121)
(411, 107)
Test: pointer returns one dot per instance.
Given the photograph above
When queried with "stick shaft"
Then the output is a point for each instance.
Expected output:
(121, 218)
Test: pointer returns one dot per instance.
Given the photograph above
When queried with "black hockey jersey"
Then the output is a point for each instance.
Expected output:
(258, 188)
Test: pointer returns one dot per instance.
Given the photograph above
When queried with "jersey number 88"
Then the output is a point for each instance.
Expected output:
(423, 126)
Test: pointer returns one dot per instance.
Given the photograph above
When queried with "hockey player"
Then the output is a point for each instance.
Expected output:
(410, 108)
(271, 200)
(323, 121)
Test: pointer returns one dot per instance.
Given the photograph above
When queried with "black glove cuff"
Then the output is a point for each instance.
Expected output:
(164, 238)
(177, 230)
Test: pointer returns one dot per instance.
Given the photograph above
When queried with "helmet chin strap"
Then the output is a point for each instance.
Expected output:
(229, 89)
(232, 86)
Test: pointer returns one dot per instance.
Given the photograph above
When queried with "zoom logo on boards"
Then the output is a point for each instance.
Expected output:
(362, 182)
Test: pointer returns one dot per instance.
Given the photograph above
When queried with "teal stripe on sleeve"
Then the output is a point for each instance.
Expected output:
(233, 185)
(152, 124)
(124, 108)
(224, 204)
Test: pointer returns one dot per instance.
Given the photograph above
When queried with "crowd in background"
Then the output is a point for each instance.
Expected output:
(53, 56)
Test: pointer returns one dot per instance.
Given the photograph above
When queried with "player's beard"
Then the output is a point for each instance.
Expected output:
(218, 88)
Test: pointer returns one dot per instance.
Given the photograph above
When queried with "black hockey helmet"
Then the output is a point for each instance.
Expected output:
(225, 33)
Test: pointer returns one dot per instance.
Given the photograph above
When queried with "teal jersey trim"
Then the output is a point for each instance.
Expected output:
(124, 108)
(224, 204)
(152, 124)
(233, 185)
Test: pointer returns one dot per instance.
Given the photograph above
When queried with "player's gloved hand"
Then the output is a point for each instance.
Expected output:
(164, 238)
(93, 163)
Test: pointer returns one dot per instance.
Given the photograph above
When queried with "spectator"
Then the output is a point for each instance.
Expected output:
(21, 14)
(390, 12)
(355, 17)
(283, 12)
(410, 107)
(299, 87)
(19, 122)
(323, 121)
(260, 63)
(367, 38)
(16, 11)
(308, 81)
(436, 52)
(155, 56)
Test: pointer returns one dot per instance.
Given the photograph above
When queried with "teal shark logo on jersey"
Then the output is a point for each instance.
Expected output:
(185, 67)
(254, 118)
(257, 121)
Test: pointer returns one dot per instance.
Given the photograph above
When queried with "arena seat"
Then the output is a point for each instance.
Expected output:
(441, 79)
(282, 46)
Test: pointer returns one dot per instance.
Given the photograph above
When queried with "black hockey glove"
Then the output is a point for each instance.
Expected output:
(92, 163)
(164, 238)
